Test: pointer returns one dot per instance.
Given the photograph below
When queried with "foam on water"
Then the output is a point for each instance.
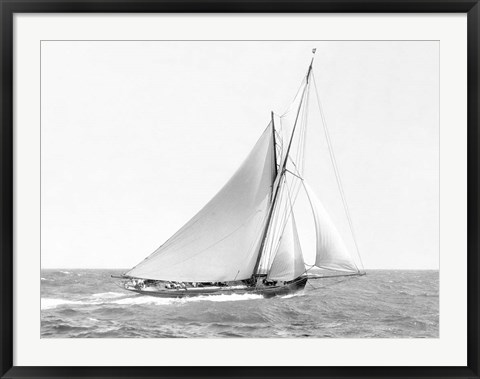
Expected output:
(95, 299)
(391, 304)
(140, 299)
(54, 303)
(223, 298)
(127, 299)
(108, 295)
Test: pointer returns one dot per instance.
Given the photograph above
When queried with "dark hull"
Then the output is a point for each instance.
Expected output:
(270, 291)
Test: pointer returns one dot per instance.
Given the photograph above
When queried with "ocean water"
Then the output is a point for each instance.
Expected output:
(382, 304)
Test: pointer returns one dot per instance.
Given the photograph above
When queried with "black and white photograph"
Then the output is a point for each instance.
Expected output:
(226, 189)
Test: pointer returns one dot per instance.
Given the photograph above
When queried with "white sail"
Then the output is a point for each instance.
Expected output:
(221, 242)
(282, 255)
(288, 262)
(331, 252)
(288, 185)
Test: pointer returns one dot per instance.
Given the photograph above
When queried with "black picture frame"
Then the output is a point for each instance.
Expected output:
(9, 8)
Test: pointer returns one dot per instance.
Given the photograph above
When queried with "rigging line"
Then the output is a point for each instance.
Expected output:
(291, 192)
(282, 131)
(282, 168)
(300, 156)
(291, 172)
(311, 285)
(267, 228)
(274, 147)
(301, 143)
(294, 224)
(280, 224)
(288, 213)
(305, 90)
(295, 186)
(296, 168)
(290, 108)
(276, 233)
(283, 220)
(272, 231)
(332, 284)
(337, 173)
(330, 270)
(301, 127)
(298, 164)
(333, 276)
(304, 140)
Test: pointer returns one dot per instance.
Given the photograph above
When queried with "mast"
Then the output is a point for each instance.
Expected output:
(282, 170)
(274, 147)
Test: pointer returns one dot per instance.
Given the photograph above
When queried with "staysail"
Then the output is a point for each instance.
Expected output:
(331, 252)
(221, 242)
(288, 262)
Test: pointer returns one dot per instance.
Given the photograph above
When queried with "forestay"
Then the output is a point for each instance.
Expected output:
(221, 242)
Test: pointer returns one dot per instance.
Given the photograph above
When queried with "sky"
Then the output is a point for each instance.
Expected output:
(137, 136)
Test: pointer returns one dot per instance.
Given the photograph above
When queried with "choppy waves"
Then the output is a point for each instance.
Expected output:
(383, 304)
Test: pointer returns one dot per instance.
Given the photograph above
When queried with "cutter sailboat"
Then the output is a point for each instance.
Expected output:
(245, 239)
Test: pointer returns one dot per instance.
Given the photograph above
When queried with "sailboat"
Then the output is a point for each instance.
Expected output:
(246, 239)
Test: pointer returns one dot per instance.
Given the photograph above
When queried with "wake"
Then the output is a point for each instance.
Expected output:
(118, 298)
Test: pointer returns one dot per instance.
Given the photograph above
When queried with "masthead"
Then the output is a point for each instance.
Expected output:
(311, 63)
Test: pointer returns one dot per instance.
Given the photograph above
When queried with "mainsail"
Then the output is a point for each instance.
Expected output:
(221, 242)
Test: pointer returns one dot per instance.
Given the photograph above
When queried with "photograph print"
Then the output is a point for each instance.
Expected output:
(222, 189)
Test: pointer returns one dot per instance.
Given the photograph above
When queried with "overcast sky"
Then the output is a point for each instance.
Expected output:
(138, 136)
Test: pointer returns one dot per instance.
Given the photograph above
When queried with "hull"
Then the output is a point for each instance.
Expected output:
(265, 291)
